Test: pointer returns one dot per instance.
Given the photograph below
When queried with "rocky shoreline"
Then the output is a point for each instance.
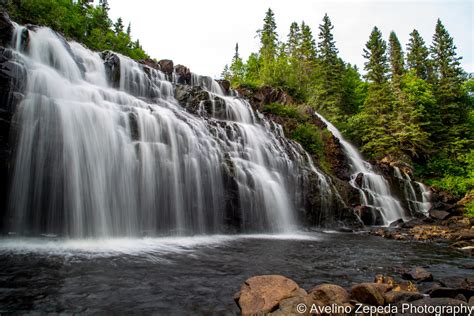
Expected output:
(457, 231)
(409, 292)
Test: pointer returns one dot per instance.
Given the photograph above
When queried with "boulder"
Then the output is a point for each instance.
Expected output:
(327, 294)
(396, 223)
(437, 214)
(394, 297)
(166, 66)
(150, 63)
(262, 294)
(184, 74)
(359, 178)
(368, 293)
(225, 85)
(418, 274)
(424, 304)
(370, 216)
(112, 67)
(451, 292)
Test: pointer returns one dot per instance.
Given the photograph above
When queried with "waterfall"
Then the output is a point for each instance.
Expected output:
(110, 152)
(418, 197)
(374, 189)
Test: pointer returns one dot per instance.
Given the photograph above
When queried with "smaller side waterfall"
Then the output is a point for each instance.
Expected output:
(418, 196)
(374, 189)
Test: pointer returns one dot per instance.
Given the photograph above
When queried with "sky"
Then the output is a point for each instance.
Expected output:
(202, 34)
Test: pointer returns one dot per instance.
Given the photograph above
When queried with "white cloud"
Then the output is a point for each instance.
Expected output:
(202, 34)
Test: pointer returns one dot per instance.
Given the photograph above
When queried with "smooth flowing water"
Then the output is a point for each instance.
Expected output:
(374, 188)
(194, 275)
(98, 157)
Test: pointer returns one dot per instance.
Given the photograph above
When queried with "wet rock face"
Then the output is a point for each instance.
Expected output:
(12, 83)
(200, 102)
(150, 63)
(112, 67)
(225, 85)
(184, 74)
(370, 216)
(6, 29)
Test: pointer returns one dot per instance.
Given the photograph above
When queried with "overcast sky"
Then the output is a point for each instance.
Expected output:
(202, 34)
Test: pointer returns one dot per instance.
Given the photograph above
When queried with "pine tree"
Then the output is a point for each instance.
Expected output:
(376, 65)
(294, 40)
(397, 65)
(237, 68)
(417, 55)
(308, 45)
(226, 74)
(129, 29)
(268, 49)
(118, 26)
(447, 83)
(328, 87)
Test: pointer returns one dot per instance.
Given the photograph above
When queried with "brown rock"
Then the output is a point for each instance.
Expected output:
(166, 66)
(394, 297)
(326, 294)
(262, 294)
(150, 63)
(418, 274)
(225, 85)
(184, 74)
(471, 301)
(439, 214)
(405, 286)
(367, 293)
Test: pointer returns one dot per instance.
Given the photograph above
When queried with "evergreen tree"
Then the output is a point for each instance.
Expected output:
(328, 87)
(397, 65)
(307, 45)
(226, 74)
(268, 49)
(294, 40)
(447, 83)
(118, 26)
(376, 65)
(237, 68)
(417, 55)
(129, 29)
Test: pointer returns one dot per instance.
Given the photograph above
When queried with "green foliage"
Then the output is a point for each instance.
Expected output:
(397, 64)
(411, 108)
(470, 209)
(309, 136)
(374, 52)
(417, 55)
(286, 111)
(81, 21)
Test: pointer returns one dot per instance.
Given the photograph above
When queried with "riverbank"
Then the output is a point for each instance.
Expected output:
(457, 231)
(409, 292)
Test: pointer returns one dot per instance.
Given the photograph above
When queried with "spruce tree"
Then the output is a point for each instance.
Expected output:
(417, 55)
(328, 88)
(237, 68)
(396, 57)
(447, 83)
(268, 50)
(308, 45)
(294, 40)
(376, 65)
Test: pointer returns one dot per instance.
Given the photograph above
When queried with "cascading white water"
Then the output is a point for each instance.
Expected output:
(94, 160)
(374, 189)
(419, 197)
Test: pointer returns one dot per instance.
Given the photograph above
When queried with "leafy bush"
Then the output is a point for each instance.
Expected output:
(287, 111)
(309, 136)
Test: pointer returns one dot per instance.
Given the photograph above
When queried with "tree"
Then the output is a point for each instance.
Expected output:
(397, 65)
(307, 46)
(129, 29)
(417, 55)
(118, 26)
(294, 40)
(447, 83)
(376, 65)
(328, 87)
(268, 49)
(237, 69)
